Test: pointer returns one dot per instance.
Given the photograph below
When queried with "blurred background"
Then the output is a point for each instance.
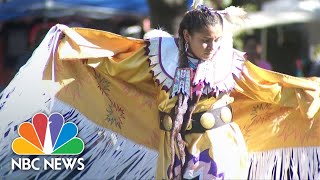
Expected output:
(280, 35)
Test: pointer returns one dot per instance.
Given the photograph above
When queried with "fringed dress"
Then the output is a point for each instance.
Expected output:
(116, 88)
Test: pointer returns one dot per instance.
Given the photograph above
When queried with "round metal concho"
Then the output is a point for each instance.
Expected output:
(207, 120)
(226, 114)
(167, 122)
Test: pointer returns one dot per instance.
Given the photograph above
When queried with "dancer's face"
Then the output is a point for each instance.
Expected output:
(204, 43)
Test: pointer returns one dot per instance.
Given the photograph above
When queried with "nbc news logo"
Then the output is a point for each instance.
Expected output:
(47, 137)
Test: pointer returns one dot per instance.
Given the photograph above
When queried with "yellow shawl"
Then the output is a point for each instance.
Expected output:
(106, 77)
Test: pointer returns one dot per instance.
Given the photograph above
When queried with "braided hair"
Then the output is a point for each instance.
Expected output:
(193, 21)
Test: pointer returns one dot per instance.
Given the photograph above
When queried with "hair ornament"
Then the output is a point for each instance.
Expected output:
(235, 15)
(205, 9)
(196, 3)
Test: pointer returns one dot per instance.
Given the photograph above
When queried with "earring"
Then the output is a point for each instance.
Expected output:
(186, 46)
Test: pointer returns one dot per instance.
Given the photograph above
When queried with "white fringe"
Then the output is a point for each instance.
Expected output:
(285, 163)
(107, 155)
(27, 93)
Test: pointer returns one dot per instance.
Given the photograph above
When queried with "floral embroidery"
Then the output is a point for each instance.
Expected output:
(103, 84)
(115, 114)
(261, 112)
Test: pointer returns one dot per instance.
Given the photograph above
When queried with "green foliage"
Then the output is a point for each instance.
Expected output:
(218, 4)
(250, 7)
(238, 41)
(226, 3)
(315, 52)
(239, 38)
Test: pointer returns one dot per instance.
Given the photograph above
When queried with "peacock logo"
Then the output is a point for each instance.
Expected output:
(48, 137)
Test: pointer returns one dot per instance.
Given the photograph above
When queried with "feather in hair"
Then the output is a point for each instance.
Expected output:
(156, 33)
(195, 3)
(235, 15)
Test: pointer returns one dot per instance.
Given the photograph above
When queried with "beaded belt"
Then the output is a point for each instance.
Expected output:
(202, 121)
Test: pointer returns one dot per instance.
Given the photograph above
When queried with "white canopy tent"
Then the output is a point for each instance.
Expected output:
(281, 12)
(284, 12)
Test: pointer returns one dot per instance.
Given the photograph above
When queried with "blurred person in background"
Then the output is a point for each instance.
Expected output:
(315, 66)
(253, 51)
(36, 35)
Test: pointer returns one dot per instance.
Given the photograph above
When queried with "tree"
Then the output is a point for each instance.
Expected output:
(167, 14)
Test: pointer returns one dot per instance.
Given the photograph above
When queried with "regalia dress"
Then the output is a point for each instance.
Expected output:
(118, 91)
